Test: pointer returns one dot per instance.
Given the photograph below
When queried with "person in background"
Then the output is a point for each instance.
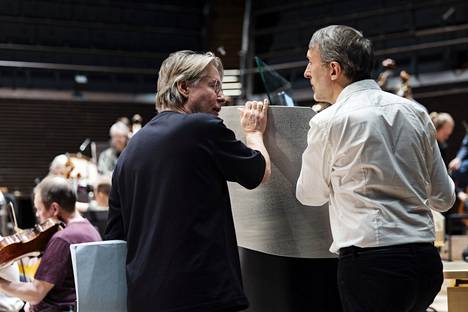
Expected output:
(373, 157)
(97, 212)
(444, 125)
(101, 195)
(458, 166)
(53, 288)
(59, 166)
(462, 155)
(389, 66)
(136, 123)
(108, 158)
(126, 122)
(402, 88)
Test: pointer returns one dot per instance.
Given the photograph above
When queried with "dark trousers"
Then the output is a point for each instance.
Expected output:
(401, 278)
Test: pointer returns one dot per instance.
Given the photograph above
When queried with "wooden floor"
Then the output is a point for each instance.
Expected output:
(459, 242)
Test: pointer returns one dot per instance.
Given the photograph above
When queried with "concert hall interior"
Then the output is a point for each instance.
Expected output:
(325, 143)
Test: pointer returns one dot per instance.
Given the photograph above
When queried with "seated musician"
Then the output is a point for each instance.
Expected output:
(108, 158)
(58, 166)
(101, 194)
(53, 288)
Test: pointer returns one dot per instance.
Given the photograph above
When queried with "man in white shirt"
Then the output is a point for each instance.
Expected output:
(374, 157)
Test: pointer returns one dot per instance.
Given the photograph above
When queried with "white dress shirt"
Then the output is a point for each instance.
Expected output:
(373, 155)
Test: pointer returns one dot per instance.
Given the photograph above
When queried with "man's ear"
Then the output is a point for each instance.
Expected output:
(335, 70)
(183, 88)
(55, 209)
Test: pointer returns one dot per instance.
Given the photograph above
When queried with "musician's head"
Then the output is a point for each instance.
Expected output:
(102, 191)
(54, 197)
(338, 55)
(190, 82)
(119, 132)
(443, 124)
(58, 166)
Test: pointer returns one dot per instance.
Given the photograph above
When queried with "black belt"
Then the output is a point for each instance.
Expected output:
(354, 250)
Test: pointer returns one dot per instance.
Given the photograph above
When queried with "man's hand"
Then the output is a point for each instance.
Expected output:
(454, 165)
(462, 196)
(254, 116)
(253, 122)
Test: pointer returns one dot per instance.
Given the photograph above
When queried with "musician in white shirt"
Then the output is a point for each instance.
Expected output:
(374, 157)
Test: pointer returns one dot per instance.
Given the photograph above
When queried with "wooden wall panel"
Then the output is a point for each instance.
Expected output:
(33, 132)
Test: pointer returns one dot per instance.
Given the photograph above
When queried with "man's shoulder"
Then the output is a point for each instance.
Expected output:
(77, 232)
(403, 105)
(204, 119)
(58, 241)
(108, 152)
(203, 124)
(324, 118)
(385, 97)
(362, 104)
(177, 120)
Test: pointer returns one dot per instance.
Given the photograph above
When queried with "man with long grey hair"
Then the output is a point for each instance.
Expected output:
(169, 197)
(373, 156)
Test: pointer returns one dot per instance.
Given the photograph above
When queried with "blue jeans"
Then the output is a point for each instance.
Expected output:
(403, 278)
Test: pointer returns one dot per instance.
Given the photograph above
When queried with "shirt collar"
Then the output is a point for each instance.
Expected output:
(357, 86)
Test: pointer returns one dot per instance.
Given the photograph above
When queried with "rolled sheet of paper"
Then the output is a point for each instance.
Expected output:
(269, 218)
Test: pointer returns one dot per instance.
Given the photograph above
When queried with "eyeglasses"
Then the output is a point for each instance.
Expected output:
(216, 85)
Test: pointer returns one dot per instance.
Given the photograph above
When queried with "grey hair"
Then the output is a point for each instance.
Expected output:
(186, 66)
(119, 128)
(348, 47)
(58, 163)
(440, 119)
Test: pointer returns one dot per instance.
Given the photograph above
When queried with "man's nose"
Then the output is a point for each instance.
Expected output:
(220, 98)
(307, 73)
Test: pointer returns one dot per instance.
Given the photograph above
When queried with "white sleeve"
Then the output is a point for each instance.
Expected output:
(312, 187)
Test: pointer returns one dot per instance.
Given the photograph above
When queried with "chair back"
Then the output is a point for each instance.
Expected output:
(100, 278)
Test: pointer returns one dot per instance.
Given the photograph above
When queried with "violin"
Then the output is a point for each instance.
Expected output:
(27, 242)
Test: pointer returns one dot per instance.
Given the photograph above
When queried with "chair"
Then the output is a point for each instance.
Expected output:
(99, 273)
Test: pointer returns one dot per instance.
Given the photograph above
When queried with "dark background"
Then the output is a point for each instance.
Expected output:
(119, 45)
